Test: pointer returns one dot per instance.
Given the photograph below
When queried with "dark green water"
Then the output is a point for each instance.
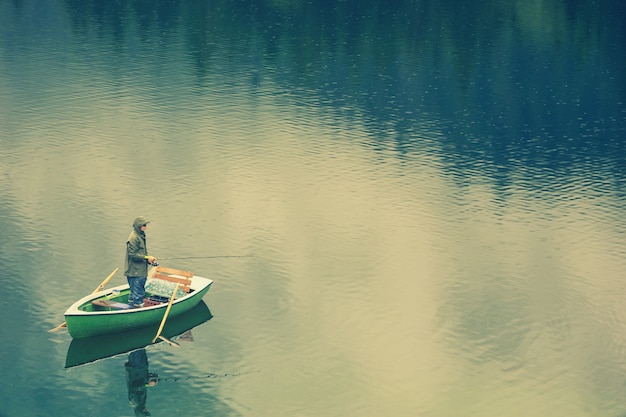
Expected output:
(433, 195)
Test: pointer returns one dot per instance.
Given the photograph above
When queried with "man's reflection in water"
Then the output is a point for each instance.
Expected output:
(138, 379)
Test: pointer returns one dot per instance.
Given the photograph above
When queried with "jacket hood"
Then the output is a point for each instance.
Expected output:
(139, 221)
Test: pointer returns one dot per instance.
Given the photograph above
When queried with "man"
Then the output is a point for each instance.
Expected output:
(137, 261)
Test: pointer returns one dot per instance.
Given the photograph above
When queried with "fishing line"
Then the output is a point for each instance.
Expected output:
(209, 376)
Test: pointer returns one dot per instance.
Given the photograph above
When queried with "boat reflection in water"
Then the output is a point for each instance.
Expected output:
(133, 343)
(91, 349)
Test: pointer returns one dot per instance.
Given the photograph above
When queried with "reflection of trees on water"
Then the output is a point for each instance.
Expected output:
(408, 62)
(412, 67)
(379, 36)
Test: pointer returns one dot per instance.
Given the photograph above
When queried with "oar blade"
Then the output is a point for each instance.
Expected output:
(170, 341)
(59, 327)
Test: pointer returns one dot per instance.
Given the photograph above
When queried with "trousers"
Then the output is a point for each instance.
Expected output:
(137, 290)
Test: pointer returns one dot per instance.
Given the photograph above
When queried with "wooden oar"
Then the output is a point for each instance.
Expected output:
(98, 288)
(105, 282)
(170, 341)
(167, 311)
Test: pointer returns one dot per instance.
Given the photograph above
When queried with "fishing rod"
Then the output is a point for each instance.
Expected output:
(205, 257)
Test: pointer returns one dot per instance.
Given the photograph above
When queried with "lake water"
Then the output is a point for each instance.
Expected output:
(423, 202)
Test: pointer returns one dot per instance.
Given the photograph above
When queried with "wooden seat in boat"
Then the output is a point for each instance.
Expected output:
(110, 304)
(183, 278)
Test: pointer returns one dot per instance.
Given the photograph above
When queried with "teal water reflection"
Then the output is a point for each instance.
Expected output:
(433, 194)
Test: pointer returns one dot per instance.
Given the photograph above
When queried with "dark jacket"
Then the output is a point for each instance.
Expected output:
(136, 251)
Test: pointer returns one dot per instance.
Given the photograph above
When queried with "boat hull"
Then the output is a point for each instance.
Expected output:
(90, 349)
(85, 322)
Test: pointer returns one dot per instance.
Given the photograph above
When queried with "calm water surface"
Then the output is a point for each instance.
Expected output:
(432, 194)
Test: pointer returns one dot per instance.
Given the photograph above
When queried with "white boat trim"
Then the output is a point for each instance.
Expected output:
(197, 284)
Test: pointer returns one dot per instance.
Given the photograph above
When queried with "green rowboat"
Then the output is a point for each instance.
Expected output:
(91, 349)
(106, 311)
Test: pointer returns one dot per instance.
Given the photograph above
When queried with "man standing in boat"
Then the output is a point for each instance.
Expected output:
(137, 261)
